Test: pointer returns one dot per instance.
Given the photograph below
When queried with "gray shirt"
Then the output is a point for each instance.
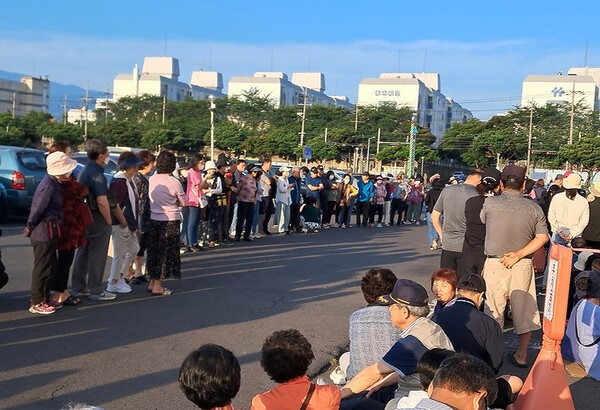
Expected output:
(511, 222)
(451, 203)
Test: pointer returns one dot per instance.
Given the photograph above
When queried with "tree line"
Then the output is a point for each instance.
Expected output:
(253, 127)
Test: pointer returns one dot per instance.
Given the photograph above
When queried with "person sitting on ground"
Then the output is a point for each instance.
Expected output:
(395, 372)
(426, 368)
(462, 382)
(310, 215)
(472, 331)
(443, 286)
(581, 342)
(285, 357)
(210, 377)
(371, 331)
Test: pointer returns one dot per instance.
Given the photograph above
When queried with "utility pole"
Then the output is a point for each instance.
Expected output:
(325, 135)
(530, 137)
(64, 106)
(212, 108)
(356, 118)
(413, 143)
(303, 119)
(86, 102)
(14, 105)
(378, 139)
(164, 108)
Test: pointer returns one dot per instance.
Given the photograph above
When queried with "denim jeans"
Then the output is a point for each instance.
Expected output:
(431, 232)
(193, 222)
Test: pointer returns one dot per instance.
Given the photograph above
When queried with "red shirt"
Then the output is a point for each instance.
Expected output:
(291, 395)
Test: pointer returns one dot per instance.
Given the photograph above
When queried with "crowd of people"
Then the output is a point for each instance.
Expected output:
(489, 229)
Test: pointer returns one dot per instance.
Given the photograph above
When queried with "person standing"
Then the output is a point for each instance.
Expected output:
(451, 204)
(90, 261)
(314, 185)
(473, 254)
(591, 233)
(431, 198)
(283, 200)
(141, 182)
(266, 204)
(247, 197)
(195, 200)
(76, 218)
(125, 241)
(366, 193)
(414, 201)
(352, 200)
(43, 230)
(237, 168)
(166, 196)
(398, 200)
(296, 197)
(348, 193)
(515, 229)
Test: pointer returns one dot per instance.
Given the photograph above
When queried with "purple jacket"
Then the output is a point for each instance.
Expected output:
(46, 206)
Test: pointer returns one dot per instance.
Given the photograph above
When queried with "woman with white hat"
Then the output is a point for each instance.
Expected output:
(43, 229)
(283, 199)
(569, 213)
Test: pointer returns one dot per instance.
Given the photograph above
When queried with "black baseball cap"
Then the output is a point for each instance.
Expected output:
(472, 282)
(407, 292)
(514, 172)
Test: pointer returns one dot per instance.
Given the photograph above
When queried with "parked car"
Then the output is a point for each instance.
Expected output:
(460, 176)
(109, 170)
(21, 170)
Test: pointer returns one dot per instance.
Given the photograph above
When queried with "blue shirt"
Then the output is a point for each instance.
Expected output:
(365, 191)
(314, 182)
(93, 177)
(295, 193)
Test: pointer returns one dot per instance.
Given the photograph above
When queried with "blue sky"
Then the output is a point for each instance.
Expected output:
(482, 49)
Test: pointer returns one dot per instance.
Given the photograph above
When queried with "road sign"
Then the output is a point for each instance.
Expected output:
(307, 152)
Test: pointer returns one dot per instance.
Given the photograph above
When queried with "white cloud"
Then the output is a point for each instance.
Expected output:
(469, 70)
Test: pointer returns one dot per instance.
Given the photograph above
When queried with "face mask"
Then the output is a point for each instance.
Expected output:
(347, 180)
(68, 174)
(331, 177)
(417, 183)
(378, 182)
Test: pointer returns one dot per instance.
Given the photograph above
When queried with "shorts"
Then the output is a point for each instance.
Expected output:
(516, 284)
(505, 395)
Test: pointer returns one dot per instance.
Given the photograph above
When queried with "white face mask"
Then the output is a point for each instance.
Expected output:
(378, 182)
(68, 174)
(347, 180)
(106, 160)
(417, 183)
(331, 177)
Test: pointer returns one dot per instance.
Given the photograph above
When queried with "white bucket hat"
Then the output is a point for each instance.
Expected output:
(59, 163)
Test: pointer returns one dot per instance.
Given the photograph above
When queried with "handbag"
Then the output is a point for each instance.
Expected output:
(53, 229)
(311, 390)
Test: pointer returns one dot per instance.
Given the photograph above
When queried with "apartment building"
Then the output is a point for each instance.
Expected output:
(30, 94)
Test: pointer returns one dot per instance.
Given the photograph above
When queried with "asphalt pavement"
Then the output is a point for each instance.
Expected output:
(126, 353)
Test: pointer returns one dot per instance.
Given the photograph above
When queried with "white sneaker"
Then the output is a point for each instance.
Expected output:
(379, 225)
(119, 287)
(336, 225)
(343, 226)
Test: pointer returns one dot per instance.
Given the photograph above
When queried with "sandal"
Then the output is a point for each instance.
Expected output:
(165, 292)
(71, 301)
(516, 363)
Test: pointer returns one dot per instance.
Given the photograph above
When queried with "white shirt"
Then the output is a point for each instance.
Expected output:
(565, 213)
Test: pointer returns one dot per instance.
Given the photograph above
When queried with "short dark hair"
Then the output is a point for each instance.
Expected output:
(145, 156)
(210, 376)
(59, 146)
(264, 160)
(95, 147)
(166, 162)
(429, 363)
(377, 282)
(310, 200)
(125, 156)
(463, 373)
(447, 275)
(286, 355)
(196, 158)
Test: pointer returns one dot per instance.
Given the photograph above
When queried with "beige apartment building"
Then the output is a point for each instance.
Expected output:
(30, 94)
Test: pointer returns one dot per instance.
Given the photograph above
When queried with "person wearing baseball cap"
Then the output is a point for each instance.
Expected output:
(515, 228)
(581, 343)
(473, 332)
(409, 306)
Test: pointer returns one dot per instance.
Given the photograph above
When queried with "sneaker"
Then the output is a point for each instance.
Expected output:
(119, 287)
(54, 304)
(42, 309)
(343, 226)
(407, 223)
(197, 249)
(102, 296)
(379, 226)
(431, 248)
(304, 230)
(336, 225)
(417, 223)
(184, 249)
(258, 236)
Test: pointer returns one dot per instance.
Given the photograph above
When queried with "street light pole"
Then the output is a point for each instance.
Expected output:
(369, 154)
(212, 108)
(530, 137)
(411, 155)
(303, 119)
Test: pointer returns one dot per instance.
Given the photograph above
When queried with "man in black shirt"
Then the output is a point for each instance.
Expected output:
(472, 331)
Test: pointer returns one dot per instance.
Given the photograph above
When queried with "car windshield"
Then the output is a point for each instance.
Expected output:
(32, 160)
